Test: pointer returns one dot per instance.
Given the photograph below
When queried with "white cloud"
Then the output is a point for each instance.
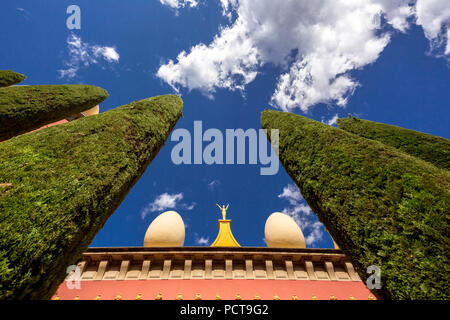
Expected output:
(108, 53)
(213, 184)
(397, 12)
(188, 207)
(179, 3)
(219, 65)
(332, 121)
(291, 193)
(203, 241)
(434, 17)
(299, 210)
(82, 54)
(316, 233)
(25, 13)
(447, 48)
(317, 43)
(166, 201)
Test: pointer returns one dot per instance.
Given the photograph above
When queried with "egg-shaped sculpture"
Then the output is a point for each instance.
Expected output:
(91, 112)
(167, 230)
(282, 231)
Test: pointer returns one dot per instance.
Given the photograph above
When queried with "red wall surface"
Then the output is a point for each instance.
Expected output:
(51, 124)
(227, 289)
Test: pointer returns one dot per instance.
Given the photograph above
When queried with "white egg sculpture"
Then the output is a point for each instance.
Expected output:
(282, 231)
(167, 230)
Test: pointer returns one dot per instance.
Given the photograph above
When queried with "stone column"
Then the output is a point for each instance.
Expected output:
(351, 272)
(145, 269)
(289, 267)
(101, 270)
(228, 267)
(208, 267)
(330, 269)
(310, 270)
(249, 275)
(123, 269)
(82, 265)
(269, 268)
(187, 267)
(166, 267)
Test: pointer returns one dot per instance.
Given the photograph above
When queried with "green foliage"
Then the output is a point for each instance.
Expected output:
(59, 185)
(435, 150)
(9, 78)
(382, 206)
(25, 108)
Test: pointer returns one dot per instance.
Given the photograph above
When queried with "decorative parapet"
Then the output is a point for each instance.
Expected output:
(139, 263)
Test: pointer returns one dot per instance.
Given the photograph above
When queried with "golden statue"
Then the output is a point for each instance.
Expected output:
(225, 237)
(224, 210)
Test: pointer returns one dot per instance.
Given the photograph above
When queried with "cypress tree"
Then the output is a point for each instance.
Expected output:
(9, 78)
(25, 108)
(383, 207)
(435, 150)
(59, 185)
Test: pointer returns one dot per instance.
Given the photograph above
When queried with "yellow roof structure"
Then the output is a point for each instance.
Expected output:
(225, 237)
(334, 242)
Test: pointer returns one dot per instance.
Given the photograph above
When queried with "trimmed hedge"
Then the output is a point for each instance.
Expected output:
(435, 150)
(26, 108)
(59, 185)
(383, 207)
(9, 78)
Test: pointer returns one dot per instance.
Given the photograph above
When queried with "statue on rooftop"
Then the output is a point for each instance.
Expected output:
(224, 210)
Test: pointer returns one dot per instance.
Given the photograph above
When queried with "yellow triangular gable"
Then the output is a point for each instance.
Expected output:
(225, 237)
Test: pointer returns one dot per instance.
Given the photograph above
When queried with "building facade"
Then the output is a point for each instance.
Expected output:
(227, 273)
(165, 270)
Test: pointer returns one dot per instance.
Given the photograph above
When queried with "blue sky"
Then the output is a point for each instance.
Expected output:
(392, 69)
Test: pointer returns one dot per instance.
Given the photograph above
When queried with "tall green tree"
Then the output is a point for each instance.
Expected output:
(59, 185)
(9, 78)
(383, 207)
(25, 108)
(435, 150)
